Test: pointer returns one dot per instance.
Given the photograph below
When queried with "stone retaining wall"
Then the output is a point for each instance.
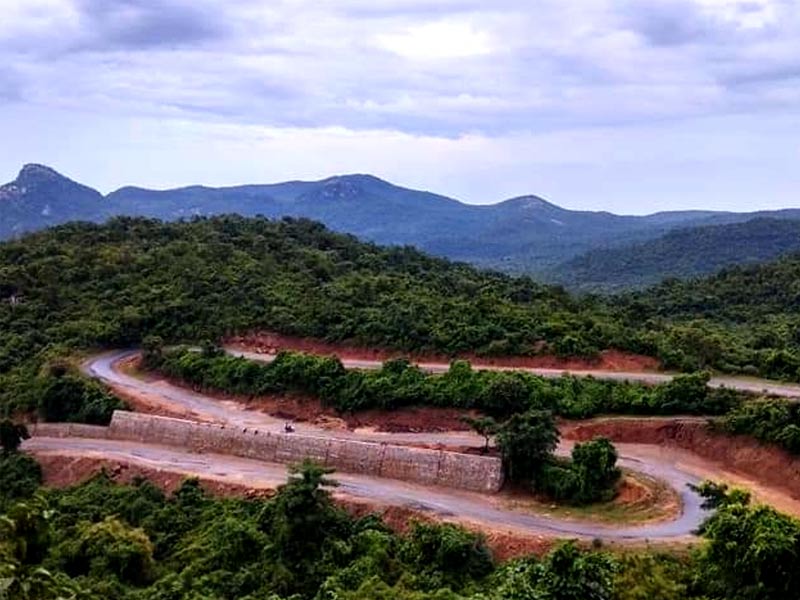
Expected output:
(418, 465)
(59, 430)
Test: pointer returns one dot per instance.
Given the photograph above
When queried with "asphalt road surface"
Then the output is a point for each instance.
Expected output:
(445, 503)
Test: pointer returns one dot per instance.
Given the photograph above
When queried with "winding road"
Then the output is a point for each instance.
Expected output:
(483, 510)
(742, 384)
(443, 503)
(487, 510)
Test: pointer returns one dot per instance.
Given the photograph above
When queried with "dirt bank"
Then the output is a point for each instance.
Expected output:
(65, 470)
(609, 360)
(759, 466)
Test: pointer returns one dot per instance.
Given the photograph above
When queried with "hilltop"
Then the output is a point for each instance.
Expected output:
(527, 234)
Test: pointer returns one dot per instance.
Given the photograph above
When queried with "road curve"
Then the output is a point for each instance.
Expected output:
(743, 384)
(443, 503)
(439, 501)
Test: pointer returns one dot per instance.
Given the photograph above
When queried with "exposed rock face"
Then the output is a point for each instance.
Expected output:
(40, 197)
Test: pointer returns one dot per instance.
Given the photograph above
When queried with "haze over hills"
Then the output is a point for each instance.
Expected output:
(525, 234)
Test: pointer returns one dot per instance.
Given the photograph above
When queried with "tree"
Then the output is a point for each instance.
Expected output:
(505, 394)
(566, 573)
(687, 392)
(152, 350)
(716, 495)
(111, 546)
(25, 535)
(752, 551)
(300, 521)
(11, 435)
(446, 554)
(486, 427)
(596, 463)
(20, 477)
(651, 577)
(69, 397)
(527, 442)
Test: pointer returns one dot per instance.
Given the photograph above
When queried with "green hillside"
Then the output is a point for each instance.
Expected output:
(88, 286)
(744, 319)
(682, 253)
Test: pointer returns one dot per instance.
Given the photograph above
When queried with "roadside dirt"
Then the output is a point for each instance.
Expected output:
(771, 474)
(640, 499)
(141, 402)
(609, 360)
(64, 470)
(739, 459)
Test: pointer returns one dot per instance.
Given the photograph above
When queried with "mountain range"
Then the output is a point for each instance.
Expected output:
(582, 249)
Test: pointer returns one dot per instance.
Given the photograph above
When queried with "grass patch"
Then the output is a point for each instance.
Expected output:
(640, 499)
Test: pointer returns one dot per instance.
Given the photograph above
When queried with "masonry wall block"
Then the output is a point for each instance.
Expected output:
(418, 465)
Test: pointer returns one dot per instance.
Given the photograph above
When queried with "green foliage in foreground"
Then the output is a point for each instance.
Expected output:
(399, 384)
(11, 435)
(20, 477)
(753, 552)
(103, 540)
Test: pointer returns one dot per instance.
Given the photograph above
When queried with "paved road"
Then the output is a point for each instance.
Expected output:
(443, 502)
(744, 384)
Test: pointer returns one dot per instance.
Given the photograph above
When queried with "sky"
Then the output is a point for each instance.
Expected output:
(631, 106)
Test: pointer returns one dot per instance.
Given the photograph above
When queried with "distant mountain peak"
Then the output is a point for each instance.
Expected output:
(530, 202)
(37, 172)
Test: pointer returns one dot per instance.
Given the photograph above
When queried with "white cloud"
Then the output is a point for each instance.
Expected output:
(526, 96)
(438, 40)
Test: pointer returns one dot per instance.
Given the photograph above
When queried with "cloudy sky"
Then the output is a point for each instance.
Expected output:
(625, 105)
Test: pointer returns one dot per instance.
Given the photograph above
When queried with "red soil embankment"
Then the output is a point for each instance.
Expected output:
(766, 465)
(609, 360)
(63, 471)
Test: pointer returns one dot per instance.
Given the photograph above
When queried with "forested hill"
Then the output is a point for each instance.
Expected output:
(88, 286)
(681, 253)
(737, 295)
(84, 285)
(743, 319)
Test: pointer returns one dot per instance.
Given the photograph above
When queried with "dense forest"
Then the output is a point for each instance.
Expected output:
(681, 253)
(86, 286)
(741, 320)
(104, 540)
(82, 286)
